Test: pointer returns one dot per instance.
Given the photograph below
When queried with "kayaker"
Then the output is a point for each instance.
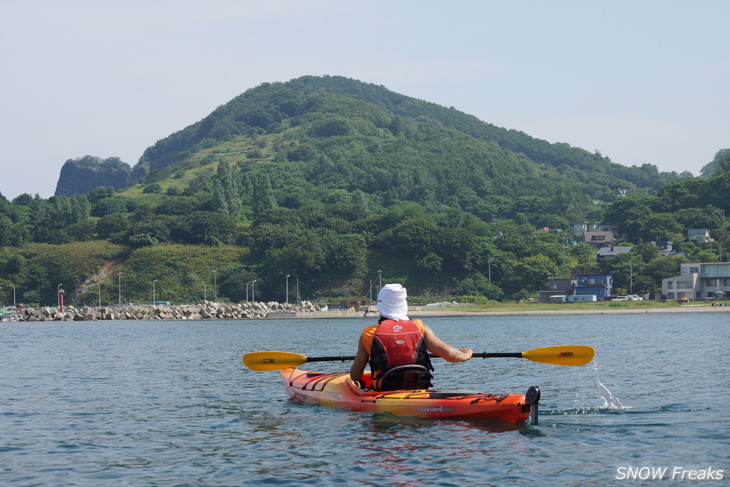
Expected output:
(398, 341)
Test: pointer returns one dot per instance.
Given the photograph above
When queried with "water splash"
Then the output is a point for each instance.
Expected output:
(592, 395)
(610, 401)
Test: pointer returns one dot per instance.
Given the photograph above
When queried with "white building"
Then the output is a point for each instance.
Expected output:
(698, 281)
(580, 228)
(701, 235)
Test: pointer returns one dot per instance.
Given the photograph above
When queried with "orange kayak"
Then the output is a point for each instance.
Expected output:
(338, 390)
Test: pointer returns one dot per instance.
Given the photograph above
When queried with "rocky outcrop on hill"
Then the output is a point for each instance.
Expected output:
(80, 176)
(203, 311)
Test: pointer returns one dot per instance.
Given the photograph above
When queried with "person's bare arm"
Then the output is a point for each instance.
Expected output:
(358, 365)
(438, 347)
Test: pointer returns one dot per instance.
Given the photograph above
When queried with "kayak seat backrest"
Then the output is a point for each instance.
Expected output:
(408, 377)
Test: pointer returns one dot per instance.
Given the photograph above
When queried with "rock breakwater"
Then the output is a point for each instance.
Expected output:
(206, 310)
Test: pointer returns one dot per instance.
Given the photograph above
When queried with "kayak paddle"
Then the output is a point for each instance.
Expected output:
(558, 355)
(282, 360)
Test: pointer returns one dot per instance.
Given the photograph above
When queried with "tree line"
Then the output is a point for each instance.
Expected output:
(333, 243)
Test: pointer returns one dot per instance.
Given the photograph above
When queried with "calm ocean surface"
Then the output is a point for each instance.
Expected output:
(171, 404)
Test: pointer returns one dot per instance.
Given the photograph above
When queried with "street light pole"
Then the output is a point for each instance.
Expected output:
(631, 277)
(490, 270)
(13, 293)
(120, 288)
(253, 290)
(298, 300)
(58, 295)
(380, 280)
(215, 285)
(98, 284)
(153, 292)
(287, 288)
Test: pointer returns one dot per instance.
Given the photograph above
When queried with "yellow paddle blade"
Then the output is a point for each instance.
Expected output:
(273, 360)
(561, 354)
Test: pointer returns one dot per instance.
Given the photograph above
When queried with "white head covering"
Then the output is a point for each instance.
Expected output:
(392, 302)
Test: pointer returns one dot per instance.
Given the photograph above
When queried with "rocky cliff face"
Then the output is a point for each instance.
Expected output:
(80, 176)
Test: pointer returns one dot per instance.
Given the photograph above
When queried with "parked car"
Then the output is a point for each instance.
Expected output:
(634, 297)
(620, 298)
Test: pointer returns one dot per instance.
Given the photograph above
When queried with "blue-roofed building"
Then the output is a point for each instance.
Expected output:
(598, 285)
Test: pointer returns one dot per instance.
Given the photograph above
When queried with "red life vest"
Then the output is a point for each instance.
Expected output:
(394, 343)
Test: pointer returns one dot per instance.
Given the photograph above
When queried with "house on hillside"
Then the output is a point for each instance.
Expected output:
(698, 281)
(612, 251)
(666, 249)
(700, 235)
(580, 228)
(599, 239)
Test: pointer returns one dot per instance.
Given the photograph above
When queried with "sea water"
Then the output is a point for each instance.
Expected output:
(153, 403)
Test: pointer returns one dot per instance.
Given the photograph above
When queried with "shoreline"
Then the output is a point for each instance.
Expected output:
(454, 313)
(704, 309)
(272, 311)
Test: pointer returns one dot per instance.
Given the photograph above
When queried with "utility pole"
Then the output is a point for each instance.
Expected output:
(215, 284)
(631, 277)
(287, 288)
(13, 292)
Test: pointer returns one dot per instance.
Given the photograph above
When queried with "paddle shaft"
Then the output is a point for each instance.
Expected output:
(340, 358)
(345, 358)
(498, 354)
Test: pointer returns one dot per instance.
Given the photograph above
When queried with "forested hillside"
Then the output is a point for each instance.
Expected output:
(350, 135)
(335, 182)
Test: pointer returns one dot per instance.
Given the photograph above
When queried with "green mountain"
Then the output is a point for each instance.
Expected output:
(337, 133)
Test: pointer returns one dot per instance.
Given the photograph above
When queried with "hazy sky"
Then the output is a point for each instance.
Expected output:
(639, 81)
